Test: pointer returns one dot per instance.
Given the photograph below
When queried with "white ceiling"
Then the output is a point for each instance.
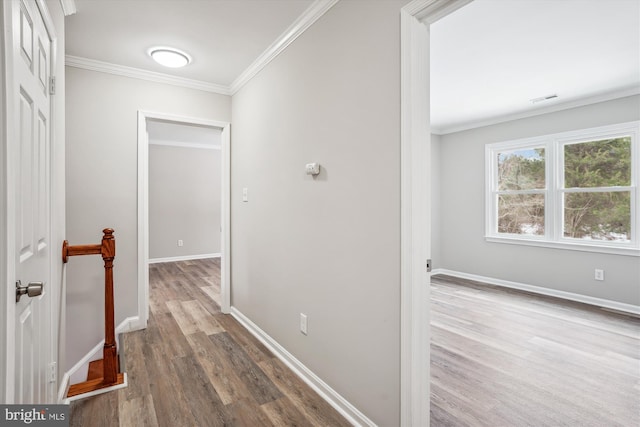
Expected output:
(491, 57)
(223, 36)
(488, 58)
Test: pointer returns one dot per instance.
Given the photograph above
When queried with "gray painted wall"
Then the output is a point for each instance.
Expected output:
(330, 246)
(101, 186)
(462, 244)
(184, 201)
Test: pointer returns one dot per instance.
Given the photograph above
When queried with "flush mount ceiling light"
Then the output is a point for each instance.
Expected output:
(169, 57)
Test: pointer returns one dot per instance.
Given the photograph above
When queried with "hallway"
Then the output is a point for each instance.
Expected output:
(194, 366)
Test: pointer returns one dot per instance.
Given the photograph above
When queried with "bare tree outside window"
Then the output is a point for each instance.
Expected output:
(521, 211)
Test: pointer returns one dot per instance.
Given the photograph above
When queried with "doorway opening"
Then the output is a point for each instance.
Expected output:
(197, 246)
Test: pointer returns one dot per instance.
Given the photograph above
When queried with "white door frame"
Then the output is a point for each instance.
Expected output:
(7, 197)
(416, 205)
(5, 224)
(143, 208)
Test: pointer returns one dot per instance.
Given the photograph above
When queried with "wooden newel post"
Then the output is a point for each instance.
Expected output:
(110, 351)
(107, 248)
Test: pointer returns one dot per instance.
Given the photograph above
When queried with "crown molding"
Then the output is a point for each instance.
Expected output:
(137, 73)
(68, 7)
(304, 21)
(429, 11)
(622, 93)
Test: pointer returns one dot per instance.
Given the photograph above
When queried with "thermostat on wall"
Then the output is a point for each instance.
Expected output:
(313, 168)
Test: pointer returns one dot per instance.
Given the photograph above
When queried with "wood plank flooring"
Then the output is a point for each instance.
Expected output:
(194, 366)
(499, 358)
(508, 358)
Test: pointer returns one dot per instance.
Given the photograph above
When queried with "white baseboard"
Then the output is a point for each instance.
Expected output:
(339, 403)
(78, 372)
(183, 258)
(600, 302)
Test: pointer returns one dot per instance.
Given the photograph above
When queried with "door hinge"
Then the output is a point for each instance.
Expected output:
(53, 372)
(428, 266)
(52, 85)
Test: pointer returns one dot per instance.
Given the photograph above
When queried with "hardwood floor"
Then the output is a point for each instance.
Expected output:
(507, 358)
(499, 358)
(194, 366)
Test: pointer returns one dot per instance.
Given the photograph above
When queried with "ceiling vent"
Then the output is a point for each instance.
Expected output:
(543, 98)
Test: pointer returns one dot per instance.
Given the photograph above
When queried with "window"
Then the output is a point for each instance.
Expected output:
(576, 190)
(521, 191)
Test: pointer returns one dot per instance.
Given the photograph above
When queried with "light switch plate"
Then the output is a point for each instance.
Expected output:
(312, 168)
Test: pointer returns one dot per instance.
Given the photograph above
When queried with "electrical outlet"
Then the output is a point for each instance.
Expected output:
(303, 323)
(180, 243)
(599, 275)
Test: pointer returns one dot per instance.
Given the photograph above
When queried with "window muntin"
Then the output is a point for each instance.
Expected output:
(571, 189)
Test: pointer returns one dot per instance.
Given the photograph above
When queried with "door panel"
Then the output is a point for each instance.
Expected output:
(25, 205)
(26, 35)
(33, 341)
(42, 191)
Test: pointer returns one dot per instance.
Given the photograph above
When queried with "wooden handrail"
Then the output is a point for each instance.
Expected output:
(68, 251)
(107, 248)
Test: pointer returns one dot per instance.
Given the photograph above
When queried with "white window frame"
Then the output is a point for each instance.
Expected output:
(554, 179)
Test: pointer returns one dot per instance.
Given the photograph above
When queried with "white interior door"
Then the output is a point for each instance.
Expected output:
(28, 71)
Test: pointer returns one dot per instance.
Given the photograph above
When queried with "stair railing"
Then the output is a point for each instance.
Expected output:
(107, 248)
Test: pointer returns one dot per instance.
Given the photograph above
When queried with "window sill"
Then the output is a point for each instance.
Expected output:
(615, 250)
